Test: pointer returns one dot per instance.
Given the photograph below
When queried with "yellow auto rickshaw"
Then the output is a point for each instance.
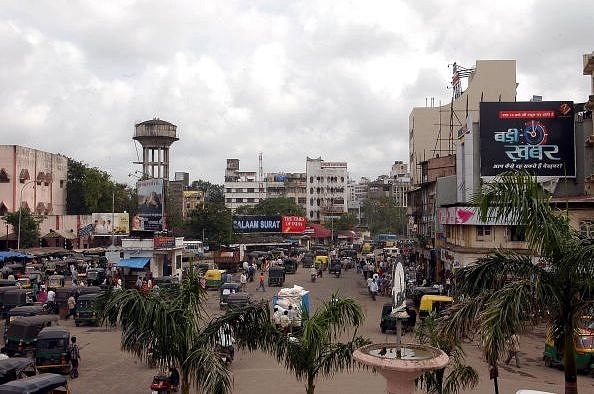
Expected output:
(321, 262)
(55, 282)
(24, 282)
(433, 303)
(214, 278)
(584, 351)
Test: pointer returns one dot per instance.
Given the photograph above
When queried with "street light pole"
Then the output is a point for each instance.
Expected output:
(21, 213)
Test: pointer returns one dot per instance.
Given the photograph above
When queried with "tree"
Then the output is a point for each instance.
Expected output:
(283, 206)
(506, 292)
(29, 225)
(383, 215)
(345, 222)
(456, 375)
(213, 220)
(170, 327)
(317, 350)
(212, 193)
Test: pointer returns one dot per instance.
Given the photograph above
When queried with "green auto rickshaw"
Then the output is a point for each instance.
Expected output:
(584, 351)
(276, 276)
(85, 309)
(51, 350)
(21, 335)
(214, 278)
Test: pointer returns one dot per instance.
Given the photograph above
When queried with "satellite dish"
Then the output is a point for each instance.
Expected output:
(399, 288)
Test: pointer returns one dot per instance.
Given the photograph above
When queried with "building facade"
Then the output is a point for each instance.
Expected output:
(327, 191)
(287, 185)
(242, 187)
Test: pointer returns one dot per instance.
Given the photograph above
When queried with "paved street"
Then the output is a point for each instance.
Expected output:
(105, 369)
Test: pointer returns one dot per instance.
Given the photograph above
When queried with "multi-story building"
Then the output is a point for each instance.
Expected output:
(326, 189)
(432, 128)
(242, 187)
(193, 199)
(288, 185)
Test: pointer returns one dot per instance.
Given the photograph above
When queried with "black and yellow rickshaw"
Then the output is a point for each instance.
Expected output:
(51, 350)
(227, 289)
(48, 383)
(55, 282)
(86, 312)
(276, 276)
(22, 334)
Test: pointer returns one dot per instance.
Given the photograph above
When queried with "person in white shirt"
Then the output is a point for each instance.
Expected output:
(243, 281)
(373, 288)
(51, 296)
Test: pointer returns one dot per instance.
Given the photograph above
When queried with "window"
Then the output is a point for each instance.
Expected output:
(516, 233)
(228, 190)
(250, 200)
(250, 190)
(483, 233)
(229, 200)
(3, 176)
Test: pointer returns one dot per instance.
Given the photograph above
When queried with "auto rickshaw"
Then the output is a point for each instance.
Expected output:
(214, 278)
(335, 267)
(290, 266)
(25, 310)
(24, 282)
(226, 290)
(7, 282)
(95, 276)
(55, 282)
(418, 292)
(276, 276)
(48, 383)
(16, 297)
(62, 295)
(433, 303)
(4, 290)
(35, 276)
(388, 322)
(88, 290)
(166, 281)
(307, 260)
(16, 368)
(22, 333)
(51, 350)
(85, 309)
(237, 300)
(584, 351)
(321, 262)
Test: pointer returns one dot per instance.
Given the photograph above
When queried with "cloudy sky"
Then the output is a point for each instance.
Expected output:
(290, 79)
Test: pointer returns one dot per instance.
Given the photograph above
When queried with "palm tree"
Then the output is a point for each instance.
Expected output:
(506, 293)
(165, 327)
(456, 375)
(315, 350)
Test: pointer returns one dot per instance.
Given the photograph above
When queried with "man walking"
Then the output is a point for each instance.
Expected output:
(261, 282)
(74, 353)
(243, 281)
(373, 288)
(71, 307)
(513, 349)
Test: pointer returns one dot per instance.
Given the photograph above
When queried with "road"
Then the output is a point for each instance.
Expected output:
(104, 368)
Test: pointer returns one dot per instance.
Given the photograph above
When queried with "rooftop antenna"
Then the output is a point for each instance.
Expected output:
(260, 178)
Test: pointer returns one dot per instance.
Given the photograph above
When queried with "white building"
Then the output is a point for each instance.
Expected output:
(326, 189)
(242, 187)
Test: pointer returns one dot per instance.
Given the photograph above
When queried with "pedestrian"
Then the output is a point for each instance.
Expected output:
(74, 353)
(365, 269)
(276, 317)
(243, 281)
(292, 317)
(138, 282)
(261, 282)
(71, 307)
(285, 322)
(373, 289)
(513, 349)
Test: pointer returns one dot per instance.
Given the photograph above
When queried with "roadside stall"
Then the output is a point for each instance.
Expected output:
(295, 296)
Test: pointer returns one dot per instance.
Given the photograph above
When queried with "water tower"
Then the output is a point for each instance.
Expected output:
(155, 136)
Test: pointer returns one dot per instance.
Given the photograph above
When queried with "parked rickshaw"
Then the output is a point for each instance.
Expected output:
(51, 350)
(307, 260)
(388, 322)
(418, 292)
(47, 383)
(434, 303)
(276, 276)
(4, 290)
(62, 295)
(22, 333)
(24, 282)
(88, 290)
(226, 290)
(16, 368)
(237, 300)
(25, 310)
(166, 281)
(290, 266)
(35, 276)
(55, 282)
(95, 276)
(16, 297)
(321, 262)
(7, 283)
(584, 351)
(214, 278)
(85, 309)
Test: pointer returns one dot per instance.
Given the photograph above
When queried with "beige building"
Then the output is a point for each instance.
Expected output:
(432, 129)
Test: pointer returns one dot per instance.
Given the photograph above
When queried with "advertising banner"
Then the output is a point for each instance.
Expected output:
(106, 224)
(293, 224)
(150, 205)
(537, 137)
(161, 242)
(257, 224)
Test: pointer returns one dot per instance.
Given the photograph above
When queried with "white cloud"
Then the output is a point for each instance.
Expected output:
(289, 79)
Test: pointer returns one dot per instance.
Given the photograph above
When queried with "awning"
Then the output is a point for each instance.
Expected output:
(9, 254)
(134, 262)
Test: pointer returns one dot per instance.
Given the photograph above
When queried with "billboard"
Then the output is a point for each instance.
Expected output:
(269, 224)
(150, 205)
(106, 224)
(537, 137)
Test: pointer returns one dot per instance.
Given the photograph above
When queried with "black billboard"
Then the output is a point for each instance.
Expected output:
(537, 137)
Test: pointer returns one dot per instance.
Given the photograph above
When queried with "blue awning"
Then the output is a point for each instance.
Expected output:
(134, 262)
(5, 255)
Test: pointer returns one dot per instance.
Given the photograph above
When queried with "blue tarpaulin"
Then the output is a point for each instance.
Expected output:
(5, 255)
(134, 262)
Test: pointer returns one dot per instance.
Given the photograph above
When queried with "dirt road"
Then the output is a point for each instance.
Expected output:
(105, 369)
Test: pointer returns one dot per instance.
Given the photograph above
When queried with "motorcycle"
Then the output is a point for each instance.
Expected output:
(226, 354)
(162, 385)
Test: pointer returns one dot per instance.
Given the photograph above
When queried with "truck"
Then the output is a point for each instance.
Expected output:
(227, 259)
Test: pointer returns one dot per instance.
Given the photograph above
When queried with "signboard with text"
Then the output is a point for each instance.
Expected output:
(537, 137)
(269, 224)
(150, 205)
(111, 223)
